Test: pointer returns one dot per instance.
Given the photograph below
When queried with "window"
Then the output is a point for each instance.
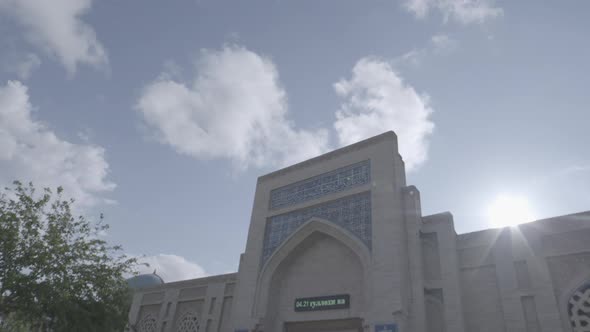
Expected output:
(578, 309)
(147, 324)
(188, 323)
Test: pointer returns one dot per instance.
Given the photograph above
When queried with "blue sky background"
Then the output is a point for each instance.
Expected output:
(139, 108)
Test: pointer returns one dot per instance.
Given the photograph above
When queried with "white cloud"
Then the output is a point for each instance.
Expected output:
(171, 267)
(462, 11)
(57, 29)
(30, 151)
(377, 100)
(234, 109)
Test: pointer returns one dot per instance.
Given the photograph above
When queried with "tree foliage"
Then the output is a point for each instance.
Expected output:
(56, 271)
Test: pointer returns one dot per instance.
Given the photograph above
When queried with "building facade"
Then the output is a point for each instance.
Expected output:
(338, 243)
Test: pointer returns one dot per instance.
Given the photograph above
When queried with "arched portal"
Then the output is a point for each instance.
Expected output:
(319, 259)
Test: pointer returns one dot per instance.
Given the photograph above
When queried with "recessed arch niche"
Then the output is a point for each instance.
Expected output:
(319, 259)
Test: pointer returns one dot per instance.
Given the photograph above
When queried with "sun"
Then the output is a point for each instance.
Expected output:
(509, 210)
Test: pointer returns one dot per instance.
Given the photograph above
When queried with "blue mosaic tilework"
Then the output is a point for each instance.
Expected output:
(352, 213)
(328, 183)
(386, 327)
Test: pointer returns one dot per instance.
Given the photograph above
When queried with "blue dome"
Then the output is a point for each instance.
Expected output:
(145, 280)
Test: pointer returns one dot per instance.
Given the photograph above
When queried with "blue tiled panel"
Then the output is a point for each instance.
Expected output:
(321, 185)
(386, 327)
(352, 213)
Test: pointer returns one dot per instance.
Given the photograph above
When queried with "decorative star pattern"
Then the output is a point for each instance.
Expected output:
(352, 213)
(324, 184)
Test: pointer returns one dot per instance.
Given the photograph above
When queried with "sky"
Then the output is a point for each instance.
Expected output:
(162, 115)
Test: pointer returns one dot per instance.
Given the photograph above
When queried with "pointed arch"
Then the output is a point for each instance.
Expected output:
(296, 240)
(147, 323)
(188, 322)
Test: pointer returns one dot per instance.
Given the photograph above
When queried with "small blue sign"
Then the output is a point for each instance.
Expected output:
(386, 327)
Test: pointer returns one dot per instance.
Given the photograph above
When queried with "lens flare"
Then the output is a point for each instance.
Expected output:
(510, 210)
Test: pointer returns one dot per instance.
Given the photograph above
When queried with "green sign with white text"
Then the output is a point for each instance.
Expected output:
(322, 303)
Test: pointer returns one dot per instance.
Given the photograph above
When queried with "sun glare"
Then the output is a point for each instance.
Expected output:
(509, 210)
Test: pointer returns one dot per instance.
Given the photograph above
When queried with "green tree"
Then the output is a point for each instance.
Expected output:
(56, 271)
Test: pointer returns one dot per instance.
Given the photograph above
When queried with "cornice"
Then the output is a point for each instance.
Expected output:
(388, 135)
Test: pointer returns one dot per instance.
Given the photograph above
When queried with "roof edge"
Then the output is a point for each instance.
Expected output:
(329, 155)
(203, 280)
(544, 220)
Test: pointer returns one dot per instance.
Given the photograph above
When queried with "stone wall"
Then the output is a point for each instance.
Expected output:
(184, 306)
(347, 223)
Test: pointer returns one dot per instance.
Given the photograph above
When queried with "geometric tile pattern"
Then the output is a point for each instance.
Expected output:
(147, 324)
(188, 323)
(327, 183)
(579, 309)
(352, 213)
